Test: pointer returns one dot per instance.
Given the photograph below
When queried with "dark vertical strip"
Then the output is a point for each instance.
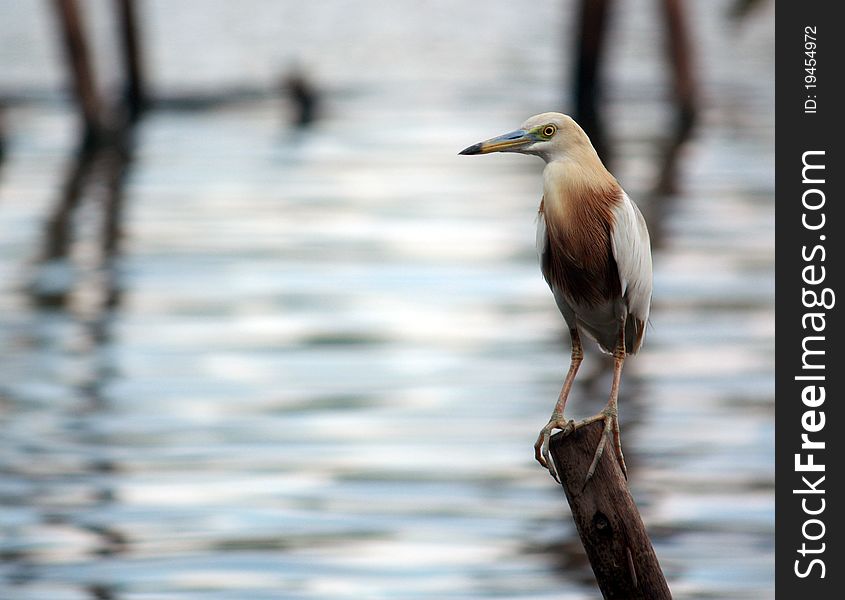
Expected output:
(131, 50)
(117, 159)
(680, 50)
(809, 178)
(58, 236)
(592, 25)
(79, 63)
(2, 137)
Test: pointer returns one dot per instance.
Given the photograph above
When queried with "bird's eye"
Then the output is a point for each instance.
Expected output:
(549, 131)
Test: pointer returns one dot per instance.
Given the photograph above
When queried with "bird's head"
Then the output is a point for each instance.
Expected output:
(549, 135)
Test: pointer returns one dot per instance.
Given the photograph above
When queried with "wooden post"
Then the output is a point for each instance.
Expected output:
(680, 52)
(607, 519)
(84, 84)
(130, 44)
(2, 137)
(592, 25)
(679, 49)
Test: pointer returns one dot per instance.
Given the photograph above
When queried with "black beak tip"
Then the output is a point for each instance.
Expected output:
(474, 149)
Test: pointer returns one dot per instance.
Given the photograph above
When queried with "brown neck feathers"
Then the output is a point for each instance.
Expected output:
(578, 258)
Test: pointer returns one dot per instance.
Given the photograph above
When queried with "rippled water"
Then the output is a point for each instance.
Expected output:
(332, 349)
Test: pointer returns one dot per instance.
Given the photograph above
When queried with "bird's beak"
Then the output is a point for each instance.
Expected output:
(508, 142)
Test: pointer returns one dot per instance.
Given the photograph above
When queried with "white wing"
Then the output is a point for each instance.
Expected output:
(541, 234)
(632, 250)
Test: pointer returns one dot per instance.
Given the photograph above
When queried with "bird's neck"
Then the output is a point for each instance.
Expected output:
(577, 186)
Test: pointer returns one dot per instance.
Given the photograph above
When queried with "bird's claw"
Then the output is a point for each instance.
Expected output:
(541, 446)
(609, 435)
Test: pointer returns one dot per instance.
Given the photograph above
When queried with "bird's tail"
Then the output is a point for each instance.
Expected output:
(634, 334)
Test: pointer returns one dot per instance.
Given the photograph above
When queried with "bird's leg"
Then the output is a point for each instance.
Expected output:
(610, 416)
(541, 446)
(610, 413)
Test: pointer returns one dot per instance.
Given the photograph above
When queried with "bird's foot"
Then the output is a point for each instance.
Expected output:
(610, 435)
(541, 446)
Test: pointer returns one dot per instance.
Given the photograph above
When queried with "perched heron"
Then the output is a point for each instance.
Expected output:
(595, 255)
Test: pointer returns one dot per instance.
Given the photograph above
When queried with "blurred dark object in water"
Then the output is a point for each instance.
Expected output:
(99, 166)
(93, 112)
(303, 98)
(740, 9)
(685, 92)
(2, 137)
(103, 154)
(80, 68)
(588, 89)
(54, 276)
(101, 591)
(127, 23)
(58, 237)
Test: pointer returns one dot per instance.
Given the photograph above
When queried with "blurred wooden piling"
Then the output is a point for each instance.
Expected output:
(679, 48)
(102, 157)
(589, 53)
(608, 522)
(79, 64)
(589, 57)
(2, 136)
(127, 24)
(303, 97)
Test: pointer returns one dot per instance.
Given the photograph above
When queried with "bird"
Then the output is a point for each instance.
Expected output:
(595, 255)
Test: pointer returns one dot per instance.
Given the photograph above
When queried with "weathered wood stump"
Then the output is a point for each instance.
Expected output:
(607, 519)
